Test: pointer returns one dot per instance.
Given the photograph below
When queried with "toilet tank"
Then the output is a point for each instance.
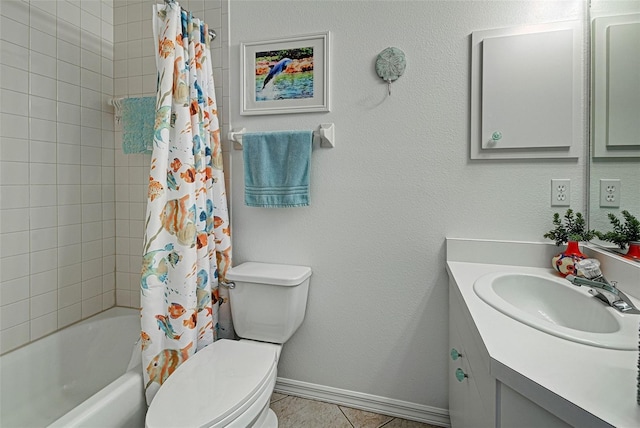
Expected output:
(268, 301)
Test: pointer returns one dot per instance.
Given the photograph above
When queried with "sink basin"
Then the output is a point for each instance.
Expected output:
(557, 307)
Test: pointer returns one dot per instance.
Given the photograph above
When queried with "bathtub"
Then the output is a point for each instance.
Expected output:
(86, 375)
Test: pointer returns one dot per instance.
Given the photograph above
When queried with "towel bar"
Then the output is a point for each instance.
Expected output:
(326, 135)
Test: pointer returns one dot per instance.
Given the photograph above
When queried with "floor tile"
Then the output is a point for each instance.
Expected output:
(277, 397)
(362, 419)
(403, 423)
(295, 412)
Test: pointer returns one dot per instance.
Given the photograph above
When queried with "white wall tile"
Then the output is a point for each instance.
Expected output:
(14, 220)
(44, 108)
(69, 194)
(44, 239)
(42, 64)
(41, 217)
(42, 173)
(40, 261)
(16, 10)
(47, 6)
(43, 86)
(12, 173)
(91, 213)
(13, 244)
(69, 92)
(69, 33)
(14, 126)
(68, 12)
(108, 299)
(11, 338)
(43, 282)
(91, 174)
(68, 113)
(42, 151)
(43, 43)
(70, 275)
(69, 234)
(42, 195)
(14, 55)
(69, 295)
(90, 155)
(14, 314)
(90, 60)
(44, 325)
(69, 255)
(69, 315)
(91, 269)
(14, 196)
(14, 267)
(90, 99)
(14, 102)
(69, 174)
(14, 78)
(14, 32)
(16, 150)
(43, 304)
(14, 290)
(91, 306)
(69, 214)
(69, 134)
(44, 130)
(92, 240)
(68, 52)
(93, 119)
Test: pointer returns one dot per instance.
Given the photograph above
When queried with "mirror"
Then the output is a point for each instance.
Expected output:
(615, 111)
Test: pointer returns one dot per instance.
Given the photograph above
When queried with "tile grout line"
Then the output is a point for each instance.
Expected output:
(345, 416)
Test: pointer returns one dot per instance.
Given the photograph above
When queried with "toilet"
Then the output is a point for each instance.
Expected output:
(229, 383)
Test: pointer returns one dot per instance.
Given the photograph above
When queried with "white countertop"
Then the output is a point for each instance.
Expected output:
(594, 382)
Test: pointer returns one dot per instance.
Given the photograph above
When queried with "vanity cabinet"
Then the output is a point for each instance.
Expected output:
(476, 398)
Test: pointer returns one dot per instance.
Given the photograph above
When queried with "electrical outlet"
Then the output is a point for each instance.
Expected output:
(610, 193)
(560, 192)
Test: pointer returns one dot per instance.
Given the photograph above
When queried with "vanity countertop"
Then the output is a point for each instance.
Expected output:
(582, 384)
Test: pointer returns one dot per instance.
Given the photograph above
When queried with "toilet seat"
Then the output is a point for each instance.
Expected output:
(221, 383)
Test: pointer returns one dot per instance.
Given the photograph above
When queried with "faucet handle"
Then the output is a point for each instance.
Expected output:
(613, 283)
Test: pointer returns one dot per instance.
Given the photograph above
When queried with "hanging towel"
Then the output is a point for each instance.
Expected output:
(276, 168)
(138, 117)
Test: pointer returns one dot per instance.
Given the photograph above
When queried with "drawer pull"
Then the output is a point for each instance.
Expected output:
(460, 375)
(455, 354)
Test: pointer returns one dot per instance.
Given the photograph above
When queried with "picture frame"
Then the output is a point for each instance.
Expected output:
(287, 75)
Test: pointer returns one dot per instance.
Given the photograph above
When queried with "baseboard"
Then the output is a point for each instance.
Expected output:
(367, 402)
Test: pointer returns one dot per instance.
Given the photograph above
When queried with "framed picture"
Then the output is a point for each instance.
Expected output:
(285, 75)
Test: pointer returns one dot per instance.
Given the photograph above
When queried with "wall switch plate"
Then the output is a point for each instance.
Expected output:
(610, 193)
(560, 192)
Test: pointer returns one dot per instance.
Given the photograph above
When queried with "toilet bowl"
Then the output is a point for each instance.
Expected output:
(229, 383)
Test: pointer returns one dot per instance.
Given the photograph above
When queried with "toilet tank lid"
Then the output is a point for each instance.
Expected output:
(267, 273)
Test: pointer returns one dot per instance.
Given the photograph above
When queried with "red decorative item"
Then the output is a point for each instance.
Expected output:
(566, 260)
(633, 252)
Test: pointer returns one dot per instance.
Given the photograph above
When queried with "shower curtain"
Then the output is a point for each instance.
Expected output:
(187, 243)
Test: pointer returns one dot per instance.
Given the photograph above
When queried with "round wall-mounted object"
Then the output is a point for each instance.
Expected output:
(390, 64)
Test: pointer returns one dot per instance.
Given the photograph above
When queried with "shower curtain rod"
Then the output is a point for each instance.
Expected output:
(212, 33)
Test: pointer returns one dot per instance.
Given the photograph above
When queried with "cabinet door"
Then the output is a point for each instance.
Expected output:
(466, 405)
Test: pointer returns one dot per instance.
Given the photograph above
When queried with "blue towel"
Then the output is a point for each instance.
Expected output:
(138, 119)
(276, 168)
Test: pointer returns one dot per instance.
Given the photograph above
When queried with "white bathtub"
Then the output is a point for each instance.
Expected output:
(76, 377)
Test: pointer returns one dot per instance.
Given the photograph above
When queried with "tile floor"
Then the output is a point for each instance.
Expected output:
(296, 412)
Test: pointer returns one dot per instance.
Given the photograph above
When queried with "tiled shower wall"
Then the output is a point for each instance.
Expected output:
(57, 216)
(135, 76)
(72, 205)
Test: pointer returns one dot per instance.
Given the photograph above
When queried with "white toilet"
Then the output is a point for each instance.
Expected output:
(229, 383)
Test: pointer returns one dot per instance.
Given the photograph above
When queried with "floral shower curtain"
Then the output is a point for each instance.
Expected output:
(187, 244)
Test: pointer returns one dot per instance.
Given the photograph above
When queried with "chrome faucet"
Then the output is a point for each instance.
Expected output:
(607, 292)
